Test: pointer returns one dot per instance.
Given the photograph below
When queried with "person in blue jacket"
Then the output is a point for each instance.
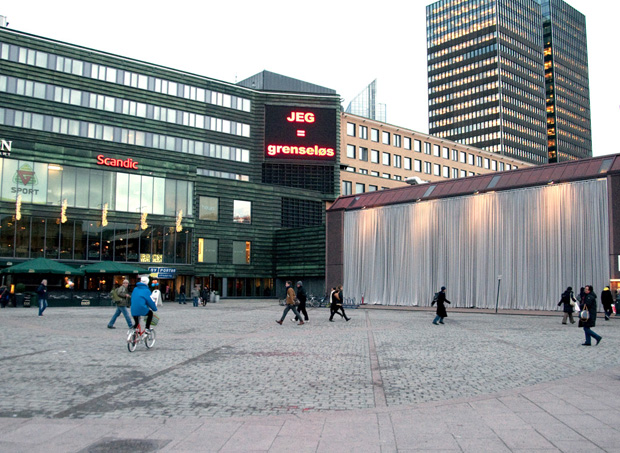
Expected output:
(142, 304)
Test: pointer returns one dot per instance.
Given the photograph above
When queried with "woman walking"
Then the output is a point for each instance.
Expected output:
(336, 304)
(441, 308)
(568, 299)
(589, 305)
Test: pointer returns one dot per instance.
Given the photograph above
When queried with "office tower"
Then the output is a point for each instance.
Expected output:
(566, 79)
(486, 76)
(365, 104)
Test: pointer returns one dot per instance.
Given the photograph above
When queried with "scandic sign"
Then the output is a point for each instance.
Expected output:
(300, 132)
(111, 162)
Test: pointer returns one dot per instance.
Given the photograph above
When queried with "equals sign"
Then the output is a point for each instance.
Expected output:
(301, 133)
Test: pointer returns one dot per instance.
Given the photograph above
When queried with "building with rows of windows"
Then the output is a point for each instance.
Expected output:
(377, 156)
(106, 158)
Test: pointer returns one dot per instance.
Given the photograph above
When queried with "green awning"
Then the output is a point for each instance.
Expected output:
(114, 268)
(42, 266)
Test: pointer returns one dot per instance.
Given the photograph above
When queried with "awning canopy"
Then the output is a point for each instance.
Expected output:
(42, 266)
(113, 267)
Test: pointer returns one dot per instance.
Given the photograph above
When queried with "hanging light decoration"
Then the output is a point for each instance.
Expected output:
(179, 220)
(143, 223)
(18, 207)
(104, 215)
(63, 211)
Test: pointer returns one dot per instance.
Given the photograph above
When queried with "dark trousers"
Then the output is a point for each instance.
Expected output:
(336, 309)
(301, 308)
(149, 318)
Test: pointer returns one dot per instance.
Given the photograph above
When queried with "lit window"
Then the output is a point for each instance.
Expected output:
(241, 252)
(242, 211)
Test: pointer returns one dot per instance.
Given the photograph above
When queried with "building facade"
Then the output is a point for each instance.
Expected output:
(377, 156)
(202, 181)
(567, 82)
(488, 61)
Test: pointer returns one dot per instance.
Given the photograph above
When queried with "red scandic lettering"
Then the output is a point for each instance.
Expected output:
(111, 162)
(100, 159)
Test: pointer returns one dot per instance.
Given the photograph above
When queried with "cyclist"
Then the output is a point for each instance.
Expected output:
(142, 304)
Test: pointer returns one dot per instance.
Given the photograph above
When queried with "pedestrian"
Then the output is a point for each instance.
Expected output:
(156, 294)
(120, 296)
(204, 296)
(4, 295)
(440, 299)
(290, 304)
(42, 294)
(142, 304)
(182, 294)
(607, 300)
(195, 293)
(336, 304)
(617, 303)
(589, 305)
(568, 299)
(167, 292)
(301, 297)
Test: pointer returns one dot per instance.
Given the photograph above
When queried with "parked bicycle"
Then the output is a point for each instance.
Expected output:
(350, 302)
(138, 335)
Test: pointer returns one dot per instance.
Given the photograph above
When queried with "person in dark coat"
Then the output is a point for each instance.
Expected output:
(441, 308)
(301, 297)
(589, 305)
(568, 299)
(607, 300)
(336, 304)
(42, 295)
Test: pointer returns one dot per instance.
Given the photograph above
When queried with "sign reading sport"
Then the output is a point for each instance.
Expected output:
(300, 133)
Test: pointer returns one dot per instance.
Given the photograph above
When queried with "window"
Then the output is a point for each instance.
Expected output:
(427, 148)
(372, 188)
(494, 165)
(241, 252)
(359, 187)
(455, 155)
(501, 166)
(463, 174)
(417, 146)
(407, 142)
(397, 161)
(417, 165)
(386, 175)
(463, 157)
(455, 173)
(351, 169)
(363, 154)
(207, 250)
(397, 140)
(407, 163)
(351, 151)
(470, 159)
(363, 131)
(242, 211)
(486, 162)
(374, 156)
(508, 167)
(385, 138)
(427, 168)
(386, 159)
(374, 135)
(437, 169)
(398, 178)
(363, 171)
(208, 209)
(374, 173)
(445, 153)
(346, 188)
(436, 150)
(446, 172)
(478, 161)
(351, 129)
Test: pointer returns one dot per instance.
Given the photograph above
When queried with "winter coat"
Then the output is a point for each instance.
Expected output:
(290, 296)
(566, 300)
(301, 295)
(441, 308)
(607, 300)
(590, 303)
(141, 301)
(42, 292)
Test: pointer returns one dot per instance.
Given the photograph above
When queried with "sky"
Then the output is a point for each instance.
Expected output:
(339, 44)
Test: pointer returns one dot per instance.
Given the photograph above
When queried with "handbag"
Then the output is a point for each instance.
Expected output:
(584, 315)
(155, 320)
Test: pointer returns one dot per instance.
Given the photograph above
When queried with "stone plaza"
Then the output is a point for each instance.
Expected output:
(226, 377)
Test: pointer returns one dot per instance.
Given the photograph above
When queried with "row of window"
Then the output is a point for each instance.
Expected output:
(86, 129)
(458, 47)
(96, 101)
(208, 251)
(210, 210)
(80, 68)
(387, 138)
(48, 184)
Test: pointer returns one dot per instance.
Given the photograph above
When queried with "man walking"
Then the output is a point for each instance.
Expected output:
(441, 308)
(182, 294)
(42, 294)
(290, 304)
(120, 296)
(301, 297)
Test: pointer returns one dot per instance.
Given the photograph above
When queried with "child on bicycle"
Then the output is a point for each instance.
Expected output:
(142, 304)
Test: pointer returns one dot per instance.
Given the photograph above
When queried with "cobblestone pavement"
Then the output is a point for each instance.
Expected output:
(230, 362)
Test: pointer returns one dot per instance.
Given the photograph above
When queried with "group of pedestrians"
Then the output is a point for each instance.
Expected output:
(296, 302)
(142, 301)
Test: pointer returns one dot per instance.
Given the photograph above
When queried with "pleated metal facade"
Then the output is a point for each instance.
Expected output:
(539, 240)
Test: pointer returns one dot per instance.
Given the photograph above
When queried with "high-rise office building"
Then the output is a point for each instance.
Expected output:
(566, 80)
(486, 77)
(365, 104)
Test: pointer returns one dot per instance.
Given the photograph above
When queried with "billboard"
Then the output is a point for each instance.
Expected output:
(301, 133)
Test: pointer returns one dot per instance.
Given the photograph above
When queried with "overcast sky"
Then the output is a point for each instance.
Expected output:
(338, 44)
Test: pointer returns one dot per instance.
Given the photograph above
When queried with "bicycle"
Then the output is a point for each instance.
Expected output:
(137, 335)
(349, 302)
(312, 301)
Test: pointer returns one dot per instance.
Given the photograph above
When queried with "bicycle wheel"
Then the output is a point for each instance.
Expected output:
(149, 341)
(132, 341)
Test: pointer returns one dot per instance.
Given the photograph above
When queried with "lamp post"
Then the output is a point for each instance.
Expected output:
(499, 281)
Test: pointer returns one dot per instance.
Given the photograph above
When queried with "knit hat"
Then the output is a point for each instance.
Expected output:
(443, 288)
(144, 279)
(299, 283)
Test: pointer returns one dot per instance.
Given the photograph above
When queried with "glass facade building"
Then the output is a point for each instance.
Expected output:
(567, 82)
(486, 76)
(365, 104)
(105, 158)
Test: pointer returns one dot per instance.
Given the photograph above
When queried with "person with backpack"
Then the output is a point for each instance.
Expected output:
(120, 297)
(440, 299)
